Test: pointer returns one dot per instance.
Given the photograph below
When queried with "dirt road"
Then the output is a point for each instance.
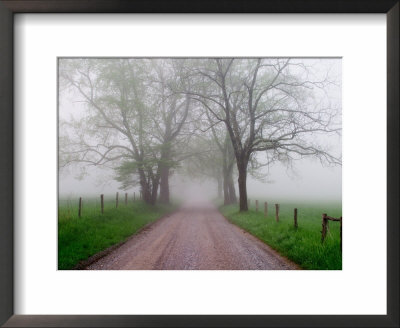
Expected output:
(197, 237)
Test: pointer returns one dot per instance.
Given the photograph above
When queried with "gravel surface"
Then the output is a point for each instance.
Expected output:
(197, 237)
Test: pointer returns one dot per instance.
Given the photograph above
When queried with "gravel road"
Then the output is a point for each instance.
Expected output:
(196, 237)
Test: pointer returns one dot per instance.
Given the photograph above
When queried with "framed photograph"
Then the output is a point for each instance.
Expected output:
(212, 105)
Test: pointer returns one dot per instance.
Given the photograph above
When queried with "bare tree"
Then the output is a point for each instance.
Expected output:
(142, 116)
(224, 145)
(172, 110)
(134, 121)
(115, 128)
(268, 105)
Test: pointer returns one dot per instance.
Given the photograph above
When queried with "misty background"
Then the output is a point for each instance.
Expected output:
(304, 179)
(308, 181)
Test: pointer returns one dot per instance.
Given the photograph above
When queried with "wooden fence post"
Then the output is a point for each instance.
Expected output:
(324, 227)
(265, 208)
(102, 203)
(116, 200)
(140, 195)
(126, 198)
(80, 207)
(295, 218)
(341, 234)
(256, 205)
(277, 212)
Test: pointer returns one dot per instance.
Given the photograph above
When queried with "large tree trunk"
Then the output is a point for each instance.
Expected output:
(149, 187)
(145, 188)
(231, 188)
(154, 191)
(164, 185)
(242, 168)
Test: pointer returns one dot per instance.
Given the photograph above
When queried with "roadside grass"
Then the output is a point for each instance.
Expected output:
(303, 245)
(80, 238)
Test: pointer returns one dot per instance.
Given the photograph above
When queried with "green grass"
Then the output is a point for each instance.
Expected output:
(80, 238)
(302, 246)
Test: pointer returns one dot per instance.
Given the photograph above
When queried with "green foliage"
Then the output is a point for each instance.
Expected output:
(80, 238)
(126, 174)
(302, 246)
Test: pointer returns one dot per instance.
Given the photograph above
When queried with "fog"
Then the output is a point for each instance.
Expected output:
(307, 181)
(305, 178)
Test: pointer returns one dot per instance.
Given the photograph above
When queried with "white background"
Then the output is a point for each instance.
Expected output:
(360, 288)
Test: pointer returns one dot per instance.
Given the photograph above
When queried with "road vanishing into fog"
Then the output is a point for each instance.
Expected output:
(196, 237)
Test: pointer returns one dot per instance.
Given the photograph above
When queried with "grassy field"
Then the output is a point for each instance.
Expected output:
(303, 245)
(80, 238)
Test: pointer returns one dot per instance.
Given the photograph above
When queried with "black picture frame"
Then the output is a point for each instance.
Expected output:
(10, 7)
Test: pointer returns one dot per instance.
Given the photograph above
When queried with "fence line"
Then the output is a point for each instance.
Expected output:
(70, 207)
(80, 207)
(325, 227)
(277, 212)
(325, 220)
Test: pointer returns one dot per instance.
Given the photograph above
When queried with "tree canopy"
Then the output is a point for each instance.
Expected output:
(145, 116)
